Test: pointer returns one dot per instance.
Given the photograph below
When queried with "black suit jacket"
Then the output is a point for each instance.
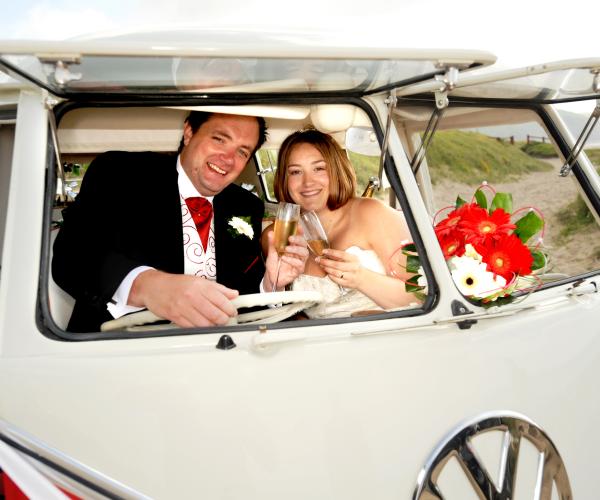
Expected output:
(128, 214)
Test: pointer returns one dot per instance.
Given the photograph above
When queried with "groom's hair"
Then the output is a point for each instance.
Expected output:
(342, 179)
(196, 118)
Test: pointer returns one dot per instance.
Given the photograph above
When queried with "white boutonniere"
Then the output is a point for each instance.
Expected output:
(241, 225)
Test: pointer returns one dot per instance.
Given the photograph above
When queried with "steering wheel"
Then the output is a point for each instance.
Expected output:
(286, 304)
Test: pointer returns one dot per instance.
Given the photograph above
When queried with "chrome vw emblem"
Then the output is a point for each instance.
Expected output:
(515, 430)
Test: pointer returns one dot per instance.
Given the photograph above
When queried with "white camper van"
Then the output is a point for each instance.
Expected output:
(460, 394)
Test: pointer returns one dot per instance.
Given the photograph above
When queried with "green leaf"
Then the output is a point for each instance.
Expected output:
(539, 260)
(412, 263)
(411, 284)
(528, 225)
(409, 249)
(480, 198)
(413, 280)
(502, 200)
(459, 202)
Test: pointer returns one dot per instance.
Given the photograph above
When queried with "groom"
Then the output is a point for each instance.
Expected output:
(133, 212)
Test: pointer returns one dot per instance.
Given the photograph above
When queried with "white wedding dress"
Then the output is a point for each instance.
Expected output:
(335, 304)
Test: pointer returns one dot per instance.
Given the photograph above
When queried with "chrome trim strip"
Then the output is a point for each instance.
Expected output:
(27, 478)
(88, 477)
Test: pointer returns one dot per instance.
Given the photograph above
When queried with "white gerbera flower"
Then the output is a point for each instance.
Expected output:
(241, 227)
(471, 252)
(473, 279)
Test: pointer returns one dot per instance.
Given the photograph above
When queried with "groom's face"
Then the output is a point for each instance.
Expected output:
(216, 154)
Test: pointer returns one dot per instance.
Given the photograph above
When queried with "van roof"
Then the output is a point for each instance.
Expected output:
(247, 61)
(236, 60)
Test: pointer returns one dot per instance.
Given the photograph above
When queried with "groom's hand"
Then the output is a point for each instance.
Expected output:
(293, 261)
(187, 301)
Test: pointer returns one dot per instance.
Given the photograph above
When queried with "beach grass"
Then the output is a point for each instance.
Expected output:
(468, 156)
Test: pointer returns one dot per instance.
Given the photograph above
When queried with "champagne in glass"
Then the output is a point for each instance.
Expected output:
(283, 230)
(286, 224)
(317, 246)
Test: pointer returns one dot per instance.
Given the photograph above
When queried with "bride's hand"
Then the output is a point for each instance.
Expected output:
(342, 267)
(293, 261)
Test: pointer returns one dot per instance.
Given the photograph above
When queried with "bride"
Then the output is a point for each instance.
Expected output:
(314, 172)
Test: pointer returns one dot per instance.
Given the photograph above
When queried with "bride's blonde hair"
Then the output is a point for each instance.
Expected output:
(342, 179)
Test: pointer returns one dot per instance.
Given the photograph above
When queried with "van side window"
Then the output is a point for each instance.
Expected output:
(517, 158)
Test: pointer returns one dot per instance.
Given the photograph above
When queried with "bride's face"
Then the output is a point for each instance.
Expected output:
(308, 177)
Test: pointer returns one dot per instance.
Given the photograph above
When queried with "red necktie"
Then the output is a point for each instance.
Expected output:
(201, 210)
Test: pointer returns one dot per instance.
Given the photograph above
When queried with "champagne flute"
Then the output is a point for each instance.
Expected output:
(286, 224)
(315, 235)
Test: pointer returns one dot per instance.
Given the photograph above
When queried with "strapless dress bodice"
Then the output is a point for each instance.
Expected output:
(335, 303)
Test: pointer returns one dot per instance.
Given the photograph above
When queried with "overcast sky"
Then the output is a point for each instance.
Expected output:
(519, 32)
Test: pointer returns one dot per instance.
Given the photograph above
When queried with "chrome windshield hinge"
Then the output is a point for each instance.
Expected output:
(448, 81)
(392, 100)
(596, 81)
(59, 71)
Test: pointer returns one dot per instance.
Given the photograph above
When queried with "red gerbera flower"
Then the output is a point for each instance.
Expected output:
(506, 256)
(452, 244)
(452, 221)
(448, 225)
(479, 226)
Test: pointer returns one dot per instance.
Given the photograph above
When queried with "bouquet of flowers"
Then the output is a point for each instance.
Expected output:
(491, 251)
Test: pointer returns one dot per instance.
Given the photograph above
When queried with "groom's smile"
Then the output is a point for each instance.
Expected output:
(216, 169)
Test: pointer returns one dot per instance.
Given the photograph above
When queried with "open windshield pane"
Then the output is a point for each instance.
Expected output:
(168, 74)
(567, 83)
(72, 67)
